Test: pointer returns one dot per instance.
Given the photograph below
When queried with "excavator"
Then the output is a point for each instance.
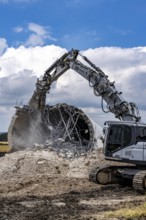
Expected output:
(124, 139)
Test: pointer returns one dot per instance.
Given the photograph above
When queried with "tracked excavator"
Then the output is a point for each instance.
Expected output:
(124, 140)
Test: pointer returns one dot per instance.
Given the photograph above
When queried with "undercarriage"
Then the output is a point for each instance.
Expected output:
(123, 175)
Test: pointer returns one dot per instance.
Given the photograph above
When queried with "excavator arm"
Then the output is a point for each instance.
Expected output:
(97, 79)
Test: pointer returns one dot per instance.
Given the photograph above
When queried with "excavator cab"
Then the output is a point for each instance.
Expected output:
(125, 141)
(118, 135)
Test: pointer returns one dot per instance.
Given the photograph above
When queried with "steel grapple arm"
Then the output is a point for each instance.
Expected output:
(97, 79)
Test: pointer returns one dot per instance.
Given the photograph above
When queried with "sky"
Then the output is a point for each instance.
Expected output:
(34, 33)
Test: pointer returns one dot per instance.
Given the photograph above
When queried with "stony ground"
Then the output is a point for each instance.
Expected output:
(37, 184)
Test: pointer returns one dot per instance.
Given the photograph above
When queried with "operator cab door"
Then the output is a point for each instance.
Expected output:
(114, 141)
(128, 142)
(118, 139)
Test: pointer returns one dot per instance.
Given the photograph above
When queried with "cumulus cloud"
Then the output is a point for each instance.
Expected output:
(34, 40)
(3, 45)
(20, 67)
(16, 87)
(38, 35)
(18, 29)
(5, 117)
(38, 29)
(37, 59)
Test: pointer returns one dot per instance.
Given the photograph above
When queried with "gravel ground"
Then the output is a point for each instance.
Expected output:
(38, 184)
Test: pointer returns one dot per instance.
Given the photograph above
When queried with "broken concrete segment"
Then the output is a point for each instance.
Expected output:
(64, 128)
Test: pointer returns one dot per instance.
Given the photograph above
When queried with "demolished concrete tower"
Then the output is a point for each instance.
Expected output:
(64, 128)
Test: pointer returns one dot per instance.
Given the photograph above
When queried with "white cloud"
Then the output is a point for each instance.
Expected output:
(36, 59)
(3, 45)
(5, 117)
(38, 34)
(34, 40)
(16, 87)
(18, 29)
(19, 68)
(38, 29)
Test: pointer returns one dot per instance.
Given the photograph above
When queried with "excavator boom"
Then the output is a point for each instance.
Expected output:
(97, 79)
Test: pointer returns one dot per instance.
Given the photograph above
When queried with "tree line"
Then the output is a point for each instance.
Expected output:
(3, 136)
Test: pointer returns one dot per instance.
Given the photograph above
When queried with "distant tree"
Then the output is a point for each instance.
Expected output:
(3, 136)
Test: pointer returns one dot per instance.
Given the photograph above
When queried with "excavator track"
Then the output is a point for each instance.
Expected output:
(122, 175)
(139, 181)
(92, 175)
(101, 175)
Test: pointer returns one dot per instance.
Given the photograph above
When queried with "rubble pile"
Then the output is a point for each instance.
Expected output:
(65, 149)
(30, 163)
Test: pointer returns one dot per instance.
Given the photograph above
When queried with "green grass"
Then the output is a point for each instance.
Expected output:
(129, 213)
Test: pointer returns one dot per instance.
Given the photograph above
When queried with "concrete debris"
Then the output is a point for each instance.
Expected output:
(33, 163)
(68, 149)
(63, 128)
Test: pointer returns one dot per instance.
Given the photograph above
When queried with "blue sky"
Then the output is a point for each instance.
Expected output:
(34, 33)
(76, 23)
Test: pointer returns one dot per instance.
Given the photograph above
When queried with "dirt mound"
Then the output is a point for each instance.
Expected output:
(43, 161)
(30, 171)
(39, 184)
